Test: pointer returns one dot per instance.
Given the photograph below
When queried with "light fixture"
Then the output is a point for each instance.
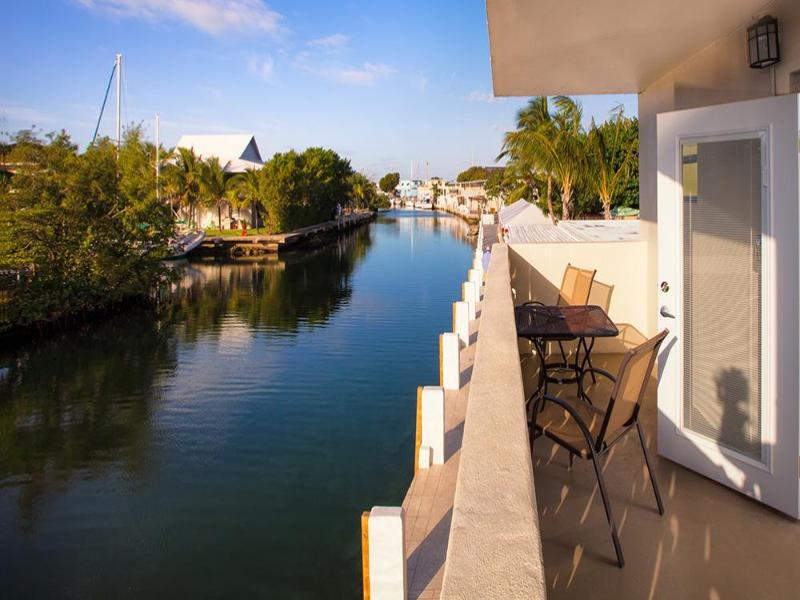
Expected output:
(762, 43)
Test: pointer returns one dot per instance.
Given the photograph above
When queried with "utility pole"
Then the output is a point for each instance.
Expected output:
(119, 100)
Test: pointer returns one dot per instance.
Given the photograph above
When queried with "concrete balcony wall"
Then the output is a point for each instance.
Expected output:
(620, 284)
(494, 547)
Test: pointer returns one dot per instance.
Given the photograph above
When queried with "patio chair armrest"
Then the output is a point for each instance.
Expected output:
(533, 303)
(572, 413)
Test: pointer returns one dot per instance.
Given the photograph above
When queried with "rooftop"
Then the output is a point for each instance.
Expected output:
(575, 231)
(236, 152)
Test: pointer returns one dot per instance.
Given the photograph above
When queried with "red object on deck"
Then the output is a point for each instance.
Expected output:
(244, 229)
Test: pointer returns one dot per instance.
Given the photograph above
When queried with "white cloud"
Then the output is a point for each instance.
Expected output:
(337, 40)
(367, 74)
(25, 115)
(211, 16)
(262, 66)
(481, 96)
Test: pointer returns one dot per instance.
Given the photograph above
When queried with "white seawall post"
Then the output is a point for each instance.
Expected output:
(433, 422)
(477, 265)
(475, 278)
(449, 365)
(461, 314)
(468, 296)
(387, 554)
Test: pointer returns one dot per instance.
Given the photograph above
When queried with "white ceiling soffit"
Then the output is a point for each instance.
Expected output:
(553, 47)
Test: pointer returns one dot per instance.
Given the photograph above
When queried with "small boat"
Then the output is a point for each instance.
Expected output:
(185, 243)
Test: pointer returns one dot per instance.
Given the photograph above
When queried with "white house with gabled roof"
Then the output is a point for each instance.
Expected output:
(236, 153)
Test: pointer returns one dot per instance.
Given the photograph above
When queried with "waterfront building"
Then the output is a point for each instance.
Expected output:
(712, 260)
(408, 189)
(236, 153)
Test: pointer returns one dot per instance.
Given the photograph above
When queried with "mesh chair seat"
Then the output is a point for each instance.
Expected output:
(555, 420)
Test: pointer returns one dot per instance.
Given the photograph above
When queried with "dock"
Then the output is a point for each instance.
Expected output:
(253, 245)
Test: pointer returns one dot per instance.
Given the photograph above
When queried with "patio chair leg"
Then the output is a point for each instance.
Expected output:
(571, 460)
(588, 359)
(607, 505)
(653, 481)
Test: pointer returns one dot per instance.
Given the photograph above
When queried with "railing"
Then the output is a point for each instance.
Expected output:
(494, 549)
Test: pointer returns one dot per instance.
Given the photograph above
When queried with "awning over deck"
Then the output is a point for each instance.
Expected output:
(603, 46)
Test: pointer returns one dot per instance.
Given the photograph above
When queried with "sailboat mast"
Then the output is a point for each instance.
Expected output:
(119, 99)
(158, 158)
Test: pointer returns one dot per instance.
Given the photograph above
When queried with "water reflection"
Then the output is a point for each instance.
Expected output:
(212, 451)
(278, 293)
(78, 404)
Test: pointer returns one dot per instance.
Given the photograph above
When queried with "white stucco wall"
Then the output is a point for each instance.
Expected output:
(718, 74)
(620, 283)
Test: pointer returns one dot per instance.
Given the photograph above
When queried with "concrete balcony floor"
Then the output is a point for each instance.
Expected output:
(712, 542)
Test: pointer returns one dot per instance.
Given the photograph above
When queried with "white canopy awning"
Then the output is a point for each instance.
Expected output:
(522, 212)
(551, 47)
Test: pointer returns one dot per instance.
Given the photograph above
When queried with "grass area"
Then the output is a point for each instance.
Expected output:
(213, 232)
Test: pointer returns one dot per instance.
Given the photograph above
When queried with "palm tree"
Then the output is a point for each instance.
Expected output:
(248, 188)
(568, 150)
(436, 191)
(182, 179)
(530, 150)
(611, 157)
(214, 186)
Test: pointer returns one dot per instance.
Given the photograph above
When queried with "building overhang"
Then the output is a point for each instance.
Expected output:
(550, 47)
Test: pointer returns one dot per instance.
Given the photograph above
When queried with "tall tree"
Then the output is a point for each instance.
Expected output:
(248, 188)
(613, 157)
(362, 191)
(530, 150)
(214, 186)
(182, 179)
(389, 182)
(567, 150)
(473, 173)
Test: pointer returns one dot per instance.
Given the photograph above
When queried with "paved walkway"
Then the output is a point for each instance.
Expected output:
(429, 501)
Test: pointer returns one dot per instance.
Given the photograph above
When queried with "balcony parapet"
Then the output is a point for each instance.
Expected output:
(494, 548)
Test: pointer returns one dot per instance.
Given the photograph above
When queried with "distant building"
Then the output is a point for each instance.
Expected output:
(408, 188)
(236, 153)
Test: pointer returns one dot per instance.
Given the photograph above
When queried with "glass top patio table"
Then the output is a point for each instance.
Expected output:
(563, 322)
(541, 324)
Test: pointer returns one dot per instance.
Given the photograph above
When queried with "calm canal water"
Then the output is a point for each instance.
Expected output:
(228, 448)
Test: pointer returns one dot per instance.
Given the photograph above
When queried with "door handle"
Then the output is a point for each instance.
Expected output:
(665, 312)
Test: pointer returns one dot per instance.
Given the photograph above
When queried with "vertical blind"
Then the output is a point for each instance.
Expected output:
(722, 292)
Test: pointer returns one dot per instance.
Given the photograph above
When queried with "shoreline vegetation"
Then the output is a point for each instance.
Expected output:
(84, 234)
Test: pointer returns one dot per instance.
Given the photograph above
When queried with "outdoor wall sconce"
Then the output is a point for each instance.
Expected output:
(762, 43)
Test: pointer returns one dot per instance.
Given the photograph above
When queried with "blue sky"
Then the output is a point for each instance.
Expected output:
(382, 83)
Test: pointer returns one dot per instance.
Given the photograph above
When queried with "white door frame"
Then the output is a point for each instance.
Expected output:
(774, 479)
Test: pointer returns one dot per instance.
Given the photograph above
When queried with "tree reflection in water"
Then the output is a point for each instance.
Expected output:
(210, 451)
(81, 403)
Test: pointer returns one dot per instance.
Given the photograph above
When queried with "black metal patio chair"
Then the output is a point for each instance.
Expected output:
(589, 432)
